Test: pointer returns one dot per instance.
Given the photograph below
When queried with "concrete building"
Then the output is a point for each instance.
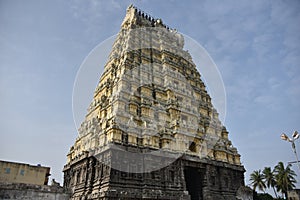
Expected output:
(151, 131)
(294, 194)
(24, 181)
(12, 172)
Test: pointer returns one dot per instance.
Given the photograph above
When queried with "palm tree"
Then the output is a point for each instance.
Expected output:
(269, 178)
(257, 180)
(285, 178)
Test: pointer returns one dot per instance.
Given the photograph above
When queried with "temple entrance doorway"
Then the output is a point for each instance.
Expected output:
(194, 182)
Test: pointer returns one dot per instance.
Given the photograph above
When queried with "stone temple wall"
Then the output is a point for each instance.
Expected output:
(188, 177)
(18, 191)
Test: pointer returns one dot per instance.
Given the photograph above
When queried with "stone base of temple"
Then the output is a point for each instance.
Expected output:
(110, 175)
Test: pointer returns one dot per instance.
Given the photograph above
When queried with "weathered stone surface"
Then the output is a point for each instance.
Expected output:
(151, 131)
(188, 175)
(29, 191)
(244, 193)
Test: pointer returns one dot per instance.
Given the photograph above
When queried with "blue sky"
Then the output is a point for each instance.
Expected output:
(255, 45)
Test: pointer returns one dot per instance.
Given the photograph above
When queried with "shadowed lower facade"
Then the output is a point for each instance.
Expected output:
(151, 131)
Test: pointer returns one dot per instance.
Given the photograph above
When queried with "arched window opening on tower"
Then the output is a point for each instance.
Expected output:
(192, 146)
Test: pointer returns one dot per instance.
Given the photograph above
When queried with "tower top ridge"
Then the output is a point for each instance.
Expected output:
(134, 12)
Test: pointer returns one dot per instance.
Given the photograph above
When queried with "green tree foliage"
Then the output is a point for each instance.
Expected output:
(257, 180)
(282, 178)
(262, 196)
(285, 178)
(269, 178)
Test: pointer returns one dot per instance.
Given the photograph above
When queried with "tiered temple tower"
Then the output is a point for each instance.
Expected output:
(151, 131)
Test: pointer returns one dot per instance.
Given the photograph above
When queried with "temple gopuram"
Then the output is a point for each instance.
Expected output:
(151, 131)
